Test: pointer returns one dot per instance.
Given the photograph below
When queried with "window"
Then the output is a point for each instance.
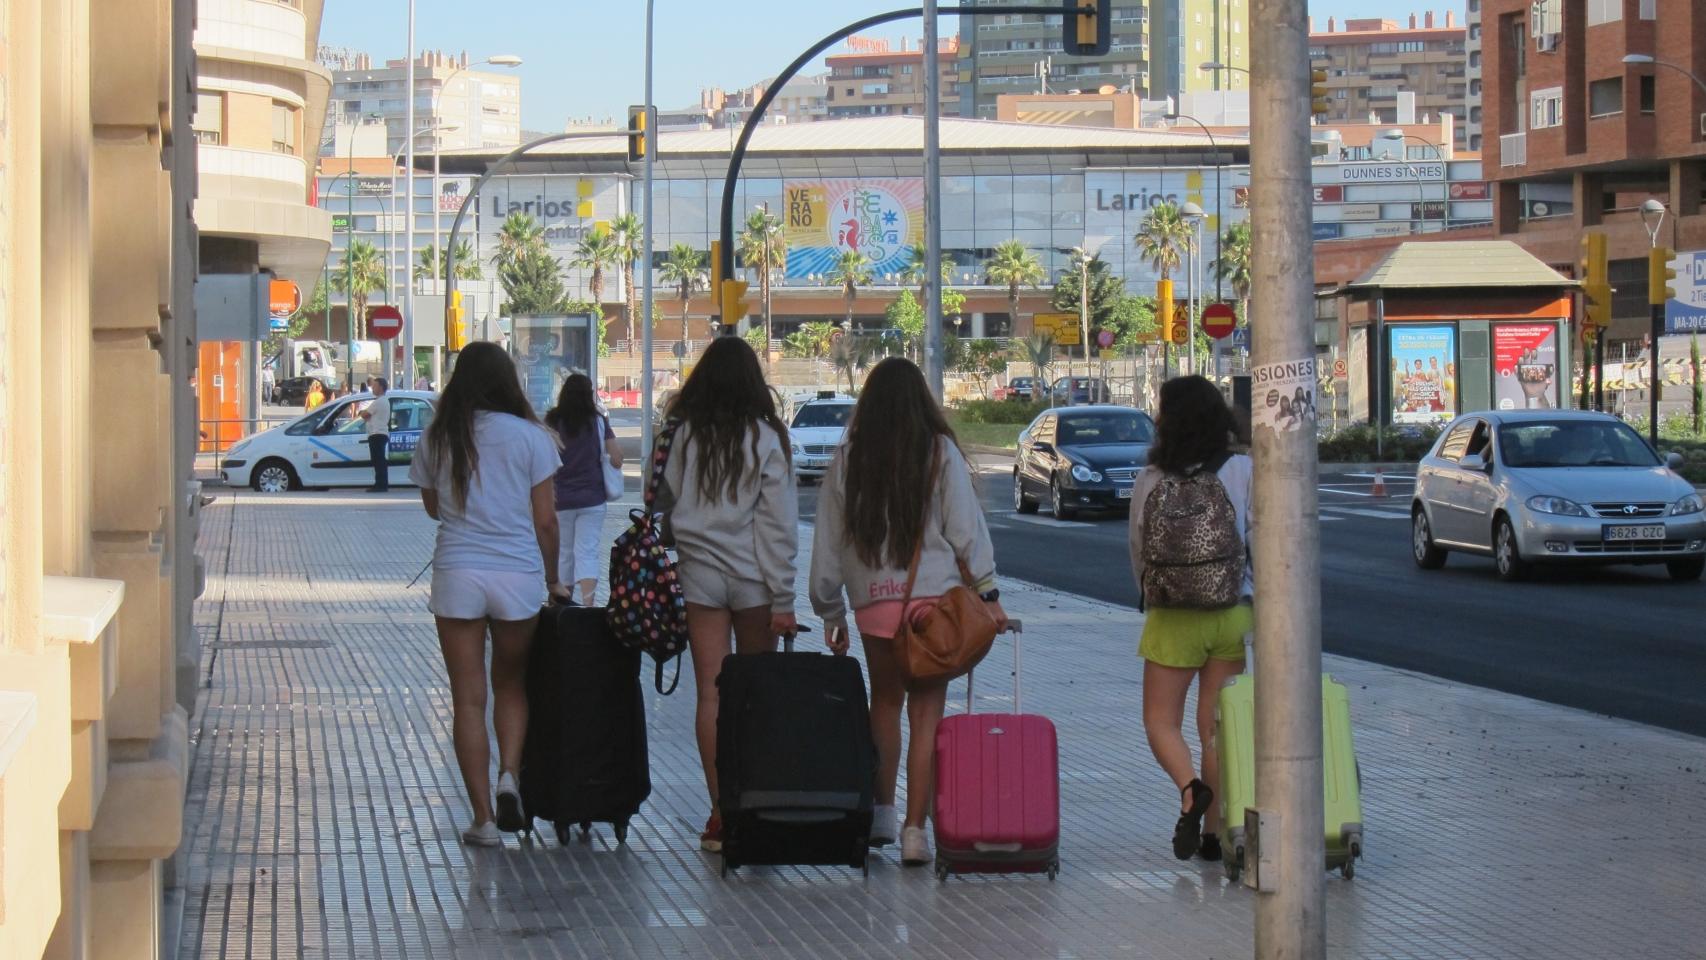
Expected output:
(408, 413)
(1546, 108)
(1458, 441)
(1604, 11)
(1649, 97)
(1648, 10)
(1605, 97)
(209, 123)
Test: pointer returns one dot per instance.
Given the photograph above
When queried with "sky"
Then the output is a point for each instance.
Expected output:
(586, 59)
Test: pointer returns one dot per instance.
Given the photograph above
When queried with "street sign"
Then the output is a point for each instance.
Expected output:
(1686, 312)
(1062, 326)
(1105, 339)
(1218, 320)
(1241, 338)
(384, 321)
(1181, 333)
(1341, 369)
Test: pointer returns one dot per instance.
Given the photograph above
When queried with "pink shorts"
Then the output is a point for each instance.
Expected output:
(882, 619)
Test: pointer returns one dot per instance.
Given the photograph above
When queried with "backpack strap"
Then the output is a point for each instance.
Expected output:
(660, 460)
(658, 679)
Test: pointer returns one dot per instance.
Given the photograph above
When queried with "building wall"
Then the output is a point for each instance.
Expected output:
(1473, 110)
(97, 266)
(1369, 63)
(889, 83)
(1000, 54)
(484, 104)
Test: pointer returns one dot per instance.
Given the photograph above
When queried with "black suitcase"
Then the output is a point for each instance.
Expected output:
(796, 765)
(585, 757)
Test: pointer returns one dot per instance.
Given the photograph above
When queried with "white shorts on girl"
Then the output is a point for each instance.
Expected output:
(467, 594)
(706, 586)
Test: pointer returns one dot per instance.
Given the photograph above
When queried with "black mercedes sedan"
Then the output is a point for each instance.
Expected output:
(1080, 458)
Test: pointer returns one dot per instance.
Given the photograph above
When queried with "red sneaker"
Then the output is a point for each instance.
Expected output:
(711, 841)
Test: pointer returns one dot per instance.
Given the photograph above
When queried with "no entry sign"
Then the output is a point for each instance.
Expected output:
(1218, 319)
(384, 322)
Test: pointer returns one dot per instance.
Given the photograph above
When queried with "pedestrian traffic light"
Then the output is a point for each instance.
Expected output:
(731, 297)
(1318, 93)
(1661, 279)
(455, 324)
(640, 132)
(1089, 32)
(1164, 309)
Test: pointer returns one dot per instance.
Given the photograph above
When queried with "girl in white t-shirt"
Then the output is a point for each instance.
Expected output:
(485, 467)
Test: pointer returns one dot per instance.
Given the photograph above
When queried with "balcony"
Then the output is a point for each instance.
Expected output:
(276, 28)
(1513, 149)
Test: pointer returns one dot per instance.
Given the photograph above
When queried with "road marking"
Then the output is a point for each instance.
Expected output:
(1389, 476)
(1347, 493)
(1360, 512)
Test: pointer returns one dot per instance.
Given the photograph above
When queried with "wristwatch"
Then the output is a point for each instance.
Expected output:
(993, 595)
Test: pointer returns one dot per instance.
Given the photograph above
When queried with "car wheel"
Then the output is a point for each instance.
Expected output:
(1057, 503)
(1022, 503)
(1428, 556)
(1512, 567)
(1686, 570)
(274, 476)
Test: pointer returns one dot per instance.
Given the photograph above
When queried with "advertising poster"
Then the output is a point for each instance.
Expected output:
(1282, 396)
(882, 219)
(1423, 374)
(1525, 366)
(547, 350)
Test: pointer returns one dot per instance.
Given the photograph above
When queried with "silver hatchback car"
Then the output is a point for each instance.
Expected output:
(1554, 486)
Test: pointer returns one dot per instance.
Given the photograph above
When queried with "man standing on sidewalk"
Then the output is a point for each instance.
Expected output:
(378, 417)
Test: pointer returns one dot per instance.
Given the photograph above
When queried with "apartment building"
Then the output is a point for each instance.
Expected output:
(1581, 140)
(1015, 54)
(98, 502)
(472, 103)
(1472, 72)
(873, 80)
(1380, 72)
(1188, 37)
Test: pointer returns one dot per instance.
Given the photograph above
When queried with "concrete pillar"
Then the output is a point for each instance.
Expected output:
(1686, 178)
(124, 899)
(1587, 195)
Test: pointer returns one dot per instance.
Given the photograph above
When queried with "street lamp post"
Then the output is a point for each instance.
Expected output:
(1653, 217)
(1444, 173)
(1641, 59)
(1193, 274)
(1083, 262)
(1219, 162)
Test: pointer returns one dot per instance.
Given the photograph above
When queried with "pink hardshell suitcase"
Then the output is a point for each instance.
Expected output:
(997, 790)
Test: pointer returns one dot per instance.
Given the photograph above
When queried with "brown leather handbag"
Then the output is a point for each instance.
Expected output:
(950, 638)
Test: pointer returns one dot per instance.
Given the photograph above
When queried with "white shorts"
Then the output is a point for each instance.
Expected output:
(580, 534)
(707, 586)
(482, 594)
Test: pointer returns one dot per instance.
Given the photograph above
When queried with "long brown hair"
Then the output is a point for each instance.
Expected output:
(891, 444)
(484, 379)
(576, 409)
(1193, 425)
(722, 403)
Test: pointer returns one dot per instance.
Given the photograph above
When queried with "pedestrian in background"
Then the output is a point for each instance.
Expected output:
(377, 413)
(880, 513)
(1189, 536)
(587, 444)
(316, 396)
(485, 467)
(733, 511)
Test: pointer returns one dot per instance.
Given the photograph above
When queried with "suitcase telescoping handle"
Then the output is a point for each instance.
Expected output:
(1015, 627)
(788, 638)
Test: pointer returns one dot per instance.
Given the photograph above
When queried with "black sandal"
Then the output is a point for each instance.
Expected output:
(1187, 834)
(1210, 849)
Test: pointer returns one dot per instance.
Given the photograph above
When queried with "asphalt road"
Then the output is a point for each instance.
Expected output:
(1623, 641)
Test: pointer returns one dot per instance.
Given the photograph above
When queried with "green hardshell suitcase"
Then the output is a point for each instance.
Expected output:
(1235, 719)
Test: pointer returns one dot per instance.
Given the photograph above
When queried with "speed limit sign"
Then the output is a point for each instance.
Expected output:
(1180, 334)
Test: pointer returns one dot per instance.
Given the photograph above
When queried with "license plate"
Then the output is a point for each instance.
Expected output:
(1645, 531)
(1124, 493)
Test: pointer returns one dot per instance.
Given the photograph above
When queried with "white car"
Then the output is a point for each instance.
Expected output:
(327, 447)
(816, 431)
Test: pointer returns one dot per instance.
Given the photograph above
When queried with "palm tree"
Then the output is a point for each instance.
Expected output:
(1038, 350)
(1164, 238)
(1011, 264)
(519, 236)
(597, 250)
(358, 276)
(851, 271)
(851, 354)
(628, 233)
(762, 249)
(1233, 266)
(685, 271)
(428, 267)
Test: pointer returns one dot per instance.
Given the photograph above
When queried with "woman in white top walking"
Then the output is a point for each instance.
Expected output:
(734, 517)
(485, 467)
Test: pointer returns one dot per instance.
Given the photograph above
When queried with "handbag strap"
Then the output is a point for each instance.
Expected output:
(660, 460)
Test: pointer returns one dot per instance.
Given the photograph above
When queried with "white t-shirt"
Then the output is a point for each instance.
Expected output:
(378, 416)
(494, 529)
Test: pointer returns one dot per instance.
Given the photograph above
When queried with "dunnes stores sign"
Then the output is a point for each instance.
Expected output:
(1382, 172)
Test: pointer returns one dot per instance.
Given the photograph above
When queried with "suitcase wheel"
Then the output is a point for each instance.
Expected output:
(622, 832)
(562, 831)
(1348, 869)
(1235, 865)
(586, 830)
(1053, 870)
(942, 871)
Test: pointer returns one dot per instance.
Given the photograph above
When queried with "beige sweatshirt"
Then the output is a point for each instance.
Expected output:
(753, 537)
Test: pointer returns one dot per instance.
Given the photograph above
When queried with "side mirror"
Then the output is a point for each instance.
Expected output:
(1475, 462)
(1043, 446)
(1673, 460)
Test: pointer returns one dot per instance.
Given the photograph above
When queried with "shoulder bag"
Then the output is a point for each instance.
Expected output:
(954, 635)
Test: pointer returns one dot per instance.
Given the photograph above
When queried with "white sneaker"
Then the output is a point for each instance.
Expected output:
(914, 847)
(483, 835)
(510, 817)
(883, 825)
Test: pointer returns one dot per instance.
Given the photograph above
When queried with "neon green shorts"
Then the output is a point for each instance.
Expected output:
(1189, 638)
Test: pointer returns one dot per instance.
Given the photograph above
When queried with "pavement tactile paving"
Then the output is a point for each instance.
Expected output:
(324, 803)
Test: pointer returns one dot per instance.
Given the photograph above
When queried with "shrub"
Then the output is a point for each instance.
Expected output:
(996, 411)
(1356, 444)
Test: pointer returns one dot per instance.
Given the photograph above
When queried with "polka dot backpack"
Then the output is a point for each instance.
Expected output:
(647, 610)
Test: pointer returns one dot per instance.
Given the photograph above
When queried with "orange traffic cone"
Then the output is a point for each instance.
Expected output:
(1379, 483)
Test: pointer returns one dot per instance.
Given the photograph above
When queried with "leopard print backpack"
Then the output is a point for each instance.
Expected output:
(1193, 557)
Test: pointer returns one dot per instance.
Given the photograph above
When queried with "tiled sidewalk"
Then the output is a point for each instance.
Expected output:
(324, 804)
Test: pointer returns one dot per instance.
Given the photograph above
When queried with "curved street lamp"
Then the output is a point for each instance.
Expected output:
(1444, 173)
(1641, 59)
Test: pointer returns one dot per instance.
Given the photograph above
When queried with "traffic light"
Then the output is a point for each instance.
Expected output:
(731, 301)
(640, 132)
(1596, 285)
(717, 277)
(1164, 309)
(1318, 93)
(455, 324)
(1661, 278)
(1089, 32)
